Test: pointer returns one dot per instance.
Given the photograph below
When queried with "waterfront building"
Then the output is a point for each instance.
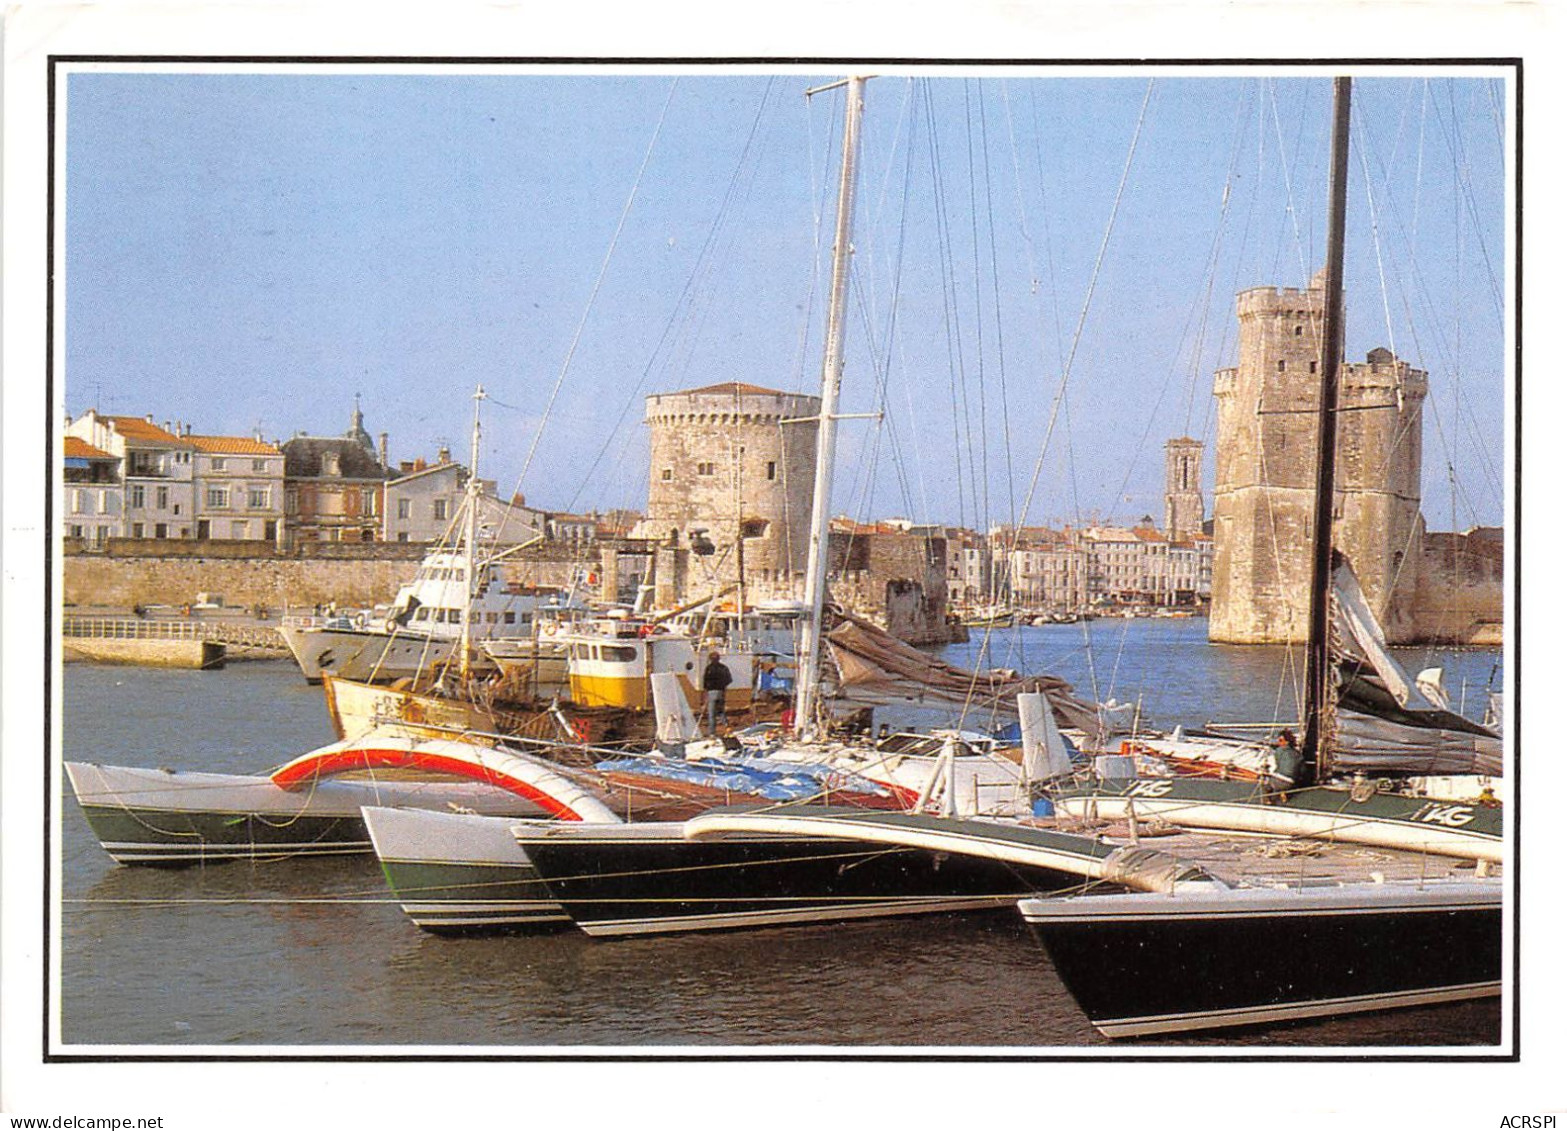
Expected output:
(94, 495)
(238, 492)
(156, 470)
(422, 500)
(332, 486)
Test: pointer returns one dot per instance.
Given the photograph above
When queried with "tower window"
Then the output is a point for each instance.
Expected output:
(1298, 331)
(1281, 365)
(667, 474)
(772, 469)
(1313, 367)
(704, 469)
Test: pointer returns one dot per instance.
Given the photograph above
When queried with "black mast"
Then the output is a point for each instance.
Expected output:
(1318, 662)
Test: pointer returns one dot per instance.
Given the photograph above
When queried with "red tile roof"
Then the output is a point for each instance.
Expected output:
(135, 428)
(77, 448)
(232, 445)
(737, 389)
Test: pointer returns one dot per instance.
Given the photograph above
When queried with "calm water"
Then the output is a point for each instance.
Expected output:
(313, 953)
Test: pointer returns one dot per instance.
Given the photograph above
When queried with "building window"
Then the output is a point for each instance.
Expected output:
(704, 469)
(402, 535)
(219, 463)
(77, 500)
(403, 507)
(260, 498)
(75, 530)
(163, 498)
(259, 466)
(218, 497)
(138, 498)
(440, 510)
(137, 530)
(161, 530)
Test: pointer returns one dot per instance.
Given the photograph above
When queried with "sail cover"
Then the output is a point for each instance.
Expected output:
(1385, 722)
(873, 663)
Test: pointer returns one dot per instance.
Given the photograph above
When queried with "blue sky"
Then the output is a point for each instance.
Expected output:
(249, 251)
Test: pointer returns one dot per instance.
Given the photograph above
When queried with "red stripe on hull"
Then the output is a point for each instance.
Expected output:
(299, 774)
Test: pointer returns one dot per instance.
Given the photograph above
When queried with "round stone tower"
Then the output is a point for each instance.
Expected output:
(1265, 474)
(726, 461)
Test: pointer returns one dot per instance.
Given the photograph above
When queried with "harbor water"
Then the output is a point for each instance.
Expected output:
(314, 953)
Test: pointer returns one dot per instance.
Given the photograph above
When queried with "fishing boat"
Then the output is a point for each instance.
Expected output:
(1218, 956)
(456, 600)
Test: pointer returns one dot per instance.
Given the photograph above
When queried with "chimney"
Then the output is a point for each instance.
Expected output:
(405, 466)
(149, 418)
(187, 432)
(258, 435)
(384, 461)
(444, 455)
(517, 500)
(168, 427)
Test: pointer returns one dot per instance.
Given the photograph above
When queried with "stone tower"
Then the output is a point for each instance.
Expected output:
(1183, 509)
(1266, 467)
(724, 461)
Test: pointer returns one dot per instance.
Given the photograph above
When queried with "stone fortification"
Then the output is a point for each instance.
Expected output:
(1266, 469)
(725, 460)
(345, 574)
(898, 580)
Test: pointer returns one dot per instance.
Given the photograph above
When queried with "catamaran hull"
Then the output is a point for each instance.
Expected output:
(1143, 965)
(1384, 820)
(459, 873)
(167, 817)
(649, 879)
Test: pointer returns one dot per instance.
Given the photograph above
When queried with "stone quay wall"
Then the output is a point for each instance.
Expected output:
(351, 575)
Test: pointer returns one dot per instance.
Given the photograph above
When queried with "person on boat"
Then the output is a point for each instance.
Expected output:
(1286, 760)
(716, 679)
(766, 680)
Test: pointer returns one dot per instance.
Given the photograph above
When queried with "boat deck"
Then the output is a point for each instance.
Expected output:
(1238, 858)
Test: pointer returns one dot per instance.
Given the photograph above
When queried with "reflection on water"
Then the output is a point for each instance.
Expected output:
(313, 952)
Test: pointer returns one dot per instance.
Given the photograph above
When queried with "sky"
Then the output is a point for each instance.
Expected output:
(1044, 265)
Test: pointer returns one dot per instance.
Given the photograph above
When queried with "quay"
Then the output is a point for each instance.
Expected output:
(182, 642)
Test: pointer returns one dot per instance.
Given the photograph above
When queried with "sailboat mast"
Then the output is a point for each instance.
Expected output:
(470, 538)
(809, 670)
(1315, 758)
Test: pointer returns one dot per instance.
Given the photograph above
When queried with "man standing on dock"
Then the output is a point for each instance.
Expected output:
(716, 679)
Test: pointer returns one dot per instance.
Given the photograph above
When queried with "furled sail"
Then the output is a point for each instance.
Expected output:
(1386, 722)
(872, 663)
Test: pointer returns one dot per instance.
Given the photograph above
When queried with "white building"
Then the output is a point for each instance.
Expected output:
(94, 495)
(238, 489)
(156, 468)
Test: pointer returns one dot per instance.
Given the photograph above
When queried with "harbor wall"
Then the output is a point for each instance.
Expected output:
(156, 653)
(346, 574)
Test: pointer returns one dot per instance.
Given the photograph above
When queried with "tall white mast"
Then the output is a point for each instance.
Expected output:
(827, 424)
(470, 536)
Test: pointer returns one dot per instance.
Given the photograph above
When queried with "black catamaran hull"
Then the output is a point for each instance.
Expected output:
(1142, 965)
(640, 880)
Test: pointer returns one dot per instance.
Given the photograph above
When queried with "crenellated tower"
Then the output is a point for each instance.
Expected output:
(1265, 467)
